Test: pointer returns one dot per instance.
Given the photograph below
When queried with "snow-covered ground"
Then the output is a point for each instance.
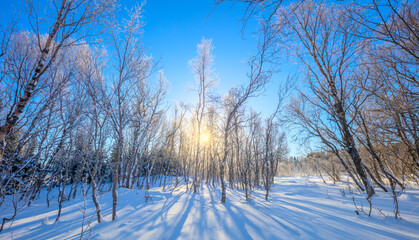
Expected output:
(299, 208)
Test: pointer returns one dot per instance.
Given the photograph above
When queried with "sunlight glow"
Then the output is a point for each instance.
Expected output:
(204, 138)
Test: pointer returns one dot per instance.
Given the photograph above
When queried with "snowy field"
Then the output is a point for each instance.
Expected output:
(299, 208)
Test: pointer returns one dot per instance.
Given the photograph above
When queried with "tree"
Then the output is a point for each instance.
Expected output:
(329, 50)
(203, 69)
(391, 65)
(132, 67)
(71, 17)
(234, 100)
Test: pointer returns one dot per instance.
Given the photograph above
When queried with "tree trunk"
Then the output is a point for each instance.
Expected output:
(222, 169)
(95, 201)
(14, 115)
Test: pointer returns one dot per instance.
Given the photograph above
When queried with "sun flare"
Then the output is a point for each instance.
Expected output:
(204, 138)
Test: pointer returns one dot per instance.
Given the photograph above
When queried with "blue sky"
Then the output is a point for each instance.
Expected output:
(173, 28)
(172, 31)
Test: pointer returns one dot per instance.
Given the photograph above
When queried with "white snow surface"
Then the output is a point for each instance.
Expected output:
(298, 208)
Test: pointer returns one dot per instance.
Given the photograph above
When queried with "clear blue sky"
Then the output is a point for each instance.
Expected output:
(172, 30)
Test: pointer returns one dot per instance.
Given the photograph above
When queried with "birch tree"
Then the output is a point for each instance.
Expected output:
(234, 100)
(203, 68)
(131, 68)
(328, 50)
(71, 18)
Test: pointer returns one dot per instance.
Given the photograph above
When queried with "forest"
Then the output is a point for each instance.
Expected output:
(84, 109)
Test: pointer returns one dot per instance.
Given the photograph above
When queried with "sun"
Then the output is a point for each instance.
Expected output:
(204, 138)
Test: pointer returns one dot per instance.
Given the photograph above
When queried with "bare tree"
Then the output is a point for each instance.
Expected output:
(70, 18)
(235, 99)
(98, 119)
(132, 67)
(391, 67)
(328, 50)
(203, 69)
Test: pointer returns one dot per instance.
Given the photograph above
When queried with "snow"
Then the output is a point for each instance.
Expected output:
(299, 208)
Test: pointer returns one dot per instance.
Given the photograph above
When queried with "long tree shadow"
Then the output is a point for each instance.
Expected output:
(307, 214)
(288, 214)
